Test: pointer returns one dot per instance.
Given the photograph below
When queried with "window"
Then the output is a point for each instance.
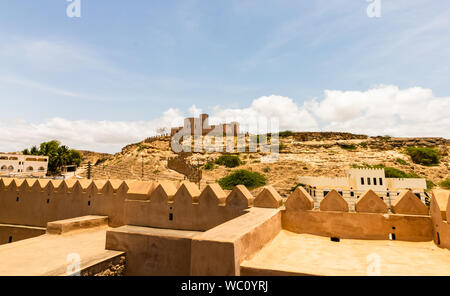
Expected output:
(10, 168)
(29, 169)
(418, 195)
(381, 181)
(41, 169)
(368, 181)
(374, 181)
(4, 168)
(362, 181)
(325, 193)
(352, 193)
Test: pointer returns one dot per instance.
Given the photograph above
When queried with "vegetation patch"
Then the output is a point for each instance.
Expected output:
(141, 147)
(390, 172)
(424, 155)
(445, 184)
(363, 144)
(101, 160)
(249, 179)
(348, 146)
(230, 161)
(296, 186)
(430, 185)
(209, 165)
(59, 155)
(286, 134)
(402, 161)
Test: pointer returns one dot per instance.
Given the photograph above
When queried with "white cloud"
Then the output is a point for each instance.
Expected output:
(103, 136)
(383, 110)
(289, 114)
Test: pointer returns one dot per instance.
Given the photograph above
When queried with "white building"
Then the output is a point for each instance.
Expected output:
(358, 181)
(18, 165)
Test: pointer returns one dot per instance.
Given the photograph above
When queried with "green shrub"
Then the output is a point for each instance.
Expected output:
(286, 134)
(266, 170)
(209, 165)
(445, 184)
(348, 146)
(101, 160)
(141, 147)
(295, 187)
(363, 144)
(250, 179)
(396, 173)
(401, 161)
(424, 155)
(230, 161)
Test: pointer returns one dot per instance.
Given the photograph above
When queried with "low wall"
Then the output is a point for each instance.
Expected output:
(151, 251)
(14, 233)
(221, 250)
(353, 225)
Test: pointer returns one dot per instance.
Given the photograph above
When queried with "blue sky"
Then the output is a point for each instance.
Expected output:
(128, 61)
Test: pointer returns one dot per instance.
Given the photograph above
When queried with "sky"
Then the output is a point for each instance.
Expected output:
(126, 68)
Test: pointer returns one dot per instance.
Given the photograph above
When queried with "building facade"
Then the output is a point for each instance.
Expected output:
(358, 181)
(23, 165)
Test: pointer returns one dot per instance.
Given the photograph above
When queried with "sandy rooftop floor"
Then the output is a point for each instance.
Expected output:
(306, 254)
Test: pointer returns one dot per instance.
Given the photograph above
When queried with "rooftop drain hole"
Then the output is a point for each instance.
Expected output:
(335, 239)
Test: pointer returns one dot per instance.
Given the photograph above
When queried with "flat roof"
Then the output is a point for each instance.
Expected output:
(304, 254)
(47, 254)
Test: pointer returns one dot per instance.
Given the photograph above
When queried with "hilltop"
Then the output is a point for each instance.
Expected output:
(306, 153)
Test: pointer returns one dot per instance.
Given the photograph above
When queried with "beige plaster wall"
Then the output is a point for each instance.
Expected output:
(152, 252)
(18, 233)
(221, 250)
(358, 225)
(441, 228)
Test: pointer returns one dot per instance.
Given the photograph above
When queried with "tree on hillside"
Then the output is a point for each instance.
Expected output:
(59, 155)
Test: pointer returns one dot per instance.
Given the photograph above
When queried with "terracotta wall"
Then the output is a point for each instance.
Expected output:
(164, 205)
(11, 233)
(441, 228)
(372, 220)
(354, 225)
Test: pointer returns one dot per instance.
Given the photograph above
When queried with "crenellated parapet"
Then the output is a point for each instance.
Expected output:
(409, 219)
(145, 203)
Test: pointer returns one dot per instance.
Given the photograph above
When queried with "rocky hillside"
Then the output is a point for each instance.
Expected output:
(314, 154)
